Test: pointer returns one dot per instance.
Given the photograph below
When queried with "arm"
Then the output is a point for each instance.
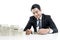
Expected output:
(28, 26)
(52, 25)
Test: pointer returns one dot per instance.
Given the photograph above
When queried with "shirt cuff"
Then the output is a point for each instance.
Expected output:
(50, 30)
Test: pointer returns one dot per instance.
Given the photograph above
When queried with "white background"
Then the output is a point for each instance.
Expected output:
(17, 12)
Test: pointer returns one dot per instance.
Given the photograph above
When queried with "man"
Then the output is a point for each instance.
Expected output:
(41, 23)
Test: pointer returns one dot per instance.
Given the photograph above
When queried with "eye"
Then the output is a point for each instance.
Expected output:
(36, 12)
(33, 13)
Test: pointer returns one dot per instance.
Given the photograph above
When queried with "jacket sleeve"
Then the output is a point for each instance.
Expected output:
(29, 24)
(52, 25)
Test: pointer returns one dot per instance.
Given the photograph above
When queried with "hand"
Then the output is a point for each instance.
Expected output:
(43, 31)
(28, 32)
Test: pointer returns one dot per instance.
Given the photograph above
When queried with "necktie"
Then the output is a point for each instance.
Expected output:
(40, 24)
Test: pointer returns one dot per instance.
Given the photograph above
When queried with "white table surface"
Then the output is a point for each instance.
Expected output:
(31, 37)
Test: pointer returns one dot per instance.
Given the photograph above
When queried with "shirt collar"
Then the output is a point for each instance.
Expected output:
(40, 17)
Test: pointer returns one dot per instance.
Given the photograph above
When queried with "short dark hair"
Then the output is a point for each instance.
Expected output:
(36, 6)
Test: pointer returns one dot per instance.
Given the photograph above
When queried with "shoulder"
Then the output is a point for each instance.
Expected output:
(48, 16)
(32, 18)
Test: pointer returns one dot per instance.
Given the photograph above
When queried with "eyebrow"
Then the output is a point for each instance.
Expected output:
(35, 11)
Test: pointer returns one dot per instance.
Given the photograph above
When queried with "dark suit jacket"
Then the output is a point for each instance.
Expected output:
(46, 23)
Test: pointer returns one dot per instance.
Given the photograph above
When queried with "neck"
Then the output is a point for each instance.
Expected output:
(39, 16)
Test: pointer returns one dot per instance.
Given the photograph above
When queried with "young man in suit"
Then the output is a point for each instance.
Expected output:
(40, 21)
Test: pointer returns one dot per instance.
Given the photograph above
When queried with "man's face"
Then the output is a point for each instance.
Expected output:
(36, 12)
